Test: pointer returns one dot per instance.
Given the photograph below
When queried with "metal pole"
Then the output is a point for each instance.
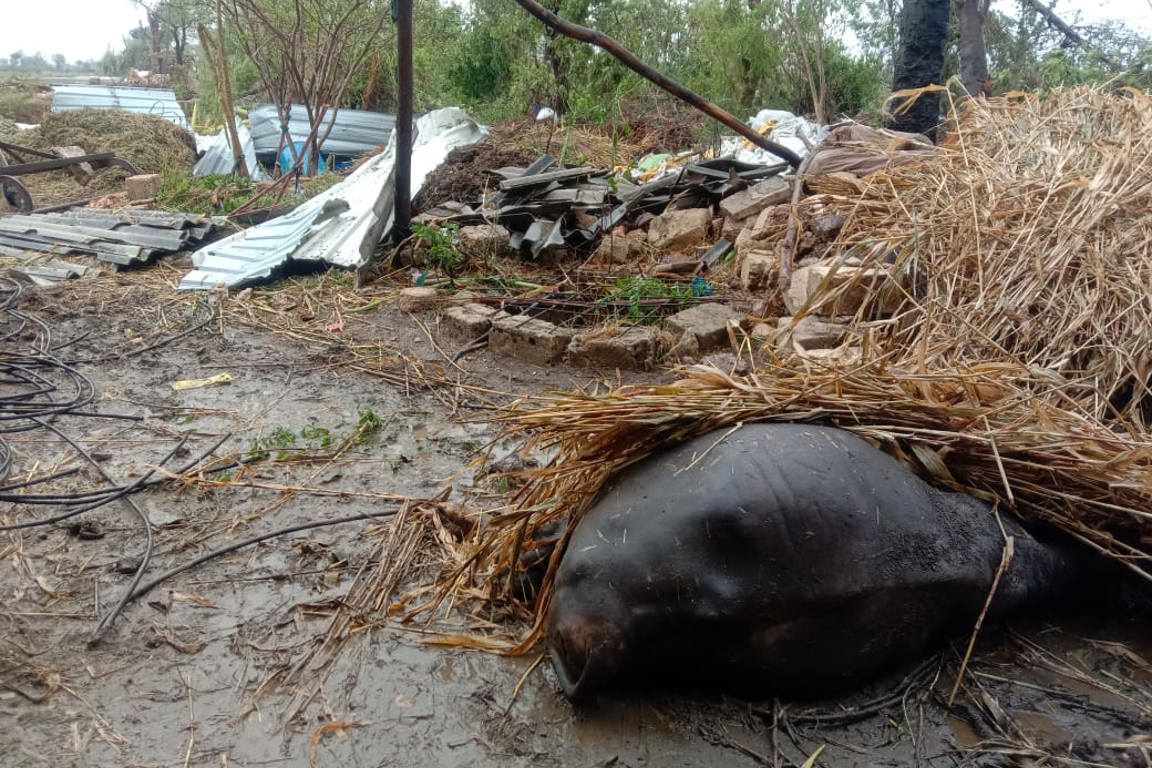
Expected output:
(403, 218)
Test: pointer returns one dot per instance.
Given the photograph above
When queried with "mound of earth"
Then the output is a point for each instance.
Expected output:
(463, 175)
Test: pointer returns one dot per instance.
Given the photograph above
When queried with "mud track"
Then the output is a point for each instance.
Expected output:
(200, 671)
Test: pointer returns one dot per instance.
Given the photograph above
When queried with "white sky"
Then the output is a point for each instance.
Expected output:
(84, 29)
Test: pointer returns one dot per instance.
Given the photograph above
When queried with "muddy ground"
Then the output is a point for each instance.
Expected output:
(210, 669)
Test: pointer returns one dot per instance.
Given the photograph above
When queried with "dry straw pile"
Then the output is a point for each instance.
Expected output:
(1017, 368)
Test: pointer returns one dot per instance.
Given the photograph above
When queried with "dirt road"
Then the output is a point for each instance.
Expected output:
(219, 665)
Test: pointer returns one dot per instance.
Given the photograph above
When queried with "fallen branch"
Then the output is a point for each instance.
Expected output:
(628, 59)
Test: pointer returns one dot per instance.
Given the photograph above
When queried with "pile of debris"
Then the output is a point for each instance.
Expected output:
(678, 225)
(121, 239)
(548, 211)
(1001, 295)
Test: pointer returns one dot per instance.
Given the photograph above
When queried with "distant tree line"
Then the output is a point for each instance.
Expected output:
(819, 57)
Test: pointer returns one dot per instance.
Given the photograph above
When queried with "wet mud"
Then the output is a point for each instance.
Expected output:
(206, 669)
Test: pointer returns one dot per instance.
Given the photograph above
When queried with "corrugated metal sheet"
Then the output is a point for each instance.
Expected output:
(217, 157)
(341, 226)
(144, 101)
(118, 238)
(353, 131)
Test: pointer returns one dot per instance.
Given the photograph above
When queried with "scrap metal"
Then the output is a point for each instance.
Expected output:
(217, 157)
(350, 131)
(344, 224)
(18, 195)
(546, 209)
(117, 238)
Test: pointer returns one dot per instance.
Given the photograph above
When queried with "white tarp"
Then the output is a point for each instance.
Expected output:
(784, 128)
(341, 226)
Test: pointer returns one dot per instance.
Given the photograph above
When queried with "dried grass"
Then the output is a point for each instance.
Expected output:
(1017, 372)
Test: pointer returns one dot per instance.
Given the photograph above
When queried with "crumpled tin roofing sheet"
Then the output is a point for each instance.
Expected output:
(353, 131)
(145, 101)
(341, 226)
(217, 157)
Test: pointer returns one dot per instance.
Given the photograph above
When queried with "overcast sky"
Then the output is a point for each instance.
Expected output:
(84, 29)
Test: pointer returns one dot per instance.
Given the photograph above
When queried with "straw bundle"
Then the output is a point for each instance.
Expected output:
(1034, 227)
(1016, 368)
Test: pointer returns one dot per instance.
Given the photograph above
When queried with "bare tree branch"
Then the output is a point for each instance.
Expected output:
(625, 57)
(1071, 34)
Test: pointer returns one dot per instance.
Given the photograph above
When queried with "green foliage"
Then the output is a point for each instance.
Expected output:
(216, 194)
(367, 424)
(636, 290)
(480, 67)
(281, 437)
(1025, 53)
(277, 444)
(855, 84)
(244, 78)
(437, 244)
(318, 436)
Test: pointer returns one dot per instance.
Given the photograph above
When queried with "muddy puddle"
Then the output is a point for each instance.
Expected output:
(219, 665)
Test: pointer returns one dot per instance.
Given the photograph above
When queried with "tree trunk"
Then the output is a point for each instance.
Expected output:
(179, 42)
(747, 85)
(219, 63)
(971, 17)
(559, 73)
(156, 42)
(920, 62)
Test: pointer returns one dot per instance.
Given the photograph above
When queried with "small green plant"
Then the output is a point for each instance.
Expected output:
(317, 435)
(256, 451)
(215, 194)
(636, 290)
(367, 424)
(280, 438)
(438, 244)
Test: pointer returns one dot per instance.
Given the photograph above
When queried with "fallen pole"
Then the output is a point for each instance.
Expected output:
(628, 59)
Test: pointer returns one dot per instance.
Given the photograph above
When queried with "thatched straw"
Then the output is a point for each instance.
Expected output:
(1016, 368)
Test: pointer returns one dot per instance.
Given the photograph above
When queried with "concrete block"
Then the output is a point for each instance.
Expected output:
(417, 299)
(142, 187)
(763, 332)
(708, 323)
(825, 228)
(731, 228)
(685, 348)
(620, 249)
(809, 333)
(529, 339)
(482, 241)
(470, 321)
(632, 348)
(680, 230)
(767, 229)
(840, 356)
(758, 269)
(843, 290)
(756, 198)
